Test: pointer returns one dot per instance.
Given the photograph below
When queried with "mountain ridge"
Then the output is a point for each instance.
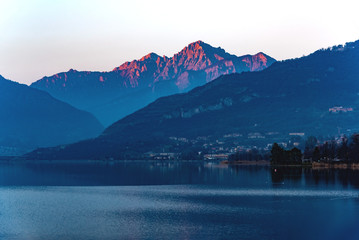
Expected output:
(290, 98)
(108, 94)
(31, 118)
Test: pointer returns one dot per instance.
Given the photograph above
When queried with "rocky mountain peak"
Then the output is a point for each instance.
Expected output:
(151, 56)
(152, 75)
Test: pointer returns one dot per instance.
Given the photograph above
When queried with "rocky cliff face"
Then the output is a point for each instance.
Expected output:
(114, 94)
(196, 56)
(145, 69)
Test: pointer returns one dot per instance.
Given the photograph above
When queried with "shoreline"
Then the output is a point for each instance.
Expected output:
(318, 166)
(247, 163)
(96, 161)
(314, 165)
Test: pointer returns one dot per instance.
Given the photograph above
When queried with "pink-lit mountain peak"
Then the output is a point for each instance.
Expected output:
(261, 56)
(198, 56)
(195, 56)
(152, 68)
(200, 48)
(151, 75)
(151, 58)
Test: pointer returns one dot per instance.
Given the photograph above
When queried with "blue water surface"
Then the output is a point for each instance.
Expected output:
(174, 200)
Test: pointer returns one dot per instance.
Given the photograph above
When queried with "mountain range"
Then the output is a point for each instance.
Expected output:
(131, 86)
(314, 95)
(31, 118)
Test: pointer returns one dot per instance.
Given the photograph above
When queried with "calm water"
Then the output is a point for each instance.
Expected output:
(139, 200)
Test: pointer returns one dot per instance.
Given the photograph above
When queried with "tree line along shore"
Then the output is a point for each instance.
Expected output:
(342, 153)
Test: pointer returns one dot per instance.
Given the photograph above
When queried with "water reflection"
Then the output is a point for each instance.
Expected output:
(187, 200)
(344, 177)
(169, 173)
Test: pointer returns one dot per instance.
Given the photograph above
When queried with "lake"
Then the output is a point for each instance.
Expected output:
(175, 200)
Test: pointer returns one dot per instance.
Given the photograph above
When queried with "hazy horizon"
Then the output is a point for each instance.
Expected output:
(41, 38)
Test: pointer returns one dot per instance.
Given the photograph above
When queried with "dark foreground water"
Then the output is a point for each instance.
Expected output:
(176, 201)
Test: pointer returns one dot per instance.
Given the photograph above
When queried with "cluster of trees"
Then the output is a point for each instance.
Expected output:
(281, 156)
(345, 150)
(250, 155)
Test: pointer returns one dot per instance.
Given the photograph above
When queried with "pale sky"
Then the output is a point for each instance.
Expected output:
(41, 38)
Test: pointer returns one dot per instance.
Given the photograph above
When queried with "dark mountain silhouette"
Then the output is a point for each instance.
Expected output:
(315, 95)
(131, 86)
(31, 118)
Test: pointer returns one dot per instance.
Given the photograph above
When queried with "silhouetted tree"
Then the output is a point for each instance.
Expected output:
(310, 144)
(343, 149)
(354, 148)
(234, 157)
(277, 154)
(332, 149)
(295, 156)
(316, 154)
(325, 151)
